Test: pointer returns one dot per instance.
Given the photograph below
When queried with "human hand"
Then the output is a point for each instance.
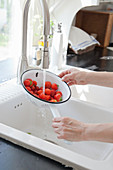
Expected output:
(69, 129)
(73, 130)
(74, 76)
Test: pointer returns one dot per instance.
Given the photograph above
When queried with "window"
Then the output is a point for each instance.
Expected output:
(10, 38)
(11, 33)
(9, 28)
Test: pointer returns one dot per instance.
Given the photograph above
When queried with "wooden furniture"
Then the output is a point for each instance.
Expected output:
(98, 22)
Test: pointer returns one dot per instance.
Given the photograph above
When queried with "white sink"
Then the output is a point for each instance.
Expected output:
(29, 126)
(94, 94)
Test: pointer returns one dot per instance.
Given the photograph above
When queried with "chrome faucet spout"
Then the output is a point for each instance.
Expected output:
(24, 33)
(46, 32)
(23, 63)
(46, 17)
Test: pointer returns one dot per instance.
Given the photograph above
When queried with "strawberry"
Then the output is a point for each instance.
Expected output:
(31, 92)
(28, 88)
(57, 97)
(36, 91)
(26, 82)
(33, 87)
(41, 88)
(53, 100)
(53, 92)
(36, 95)
(48, 84)
(40, 91)
(34, 82)
(54, 86)
(59, 92)
(31, 83)
(47, 97)
(47, 91)
(37, 88)
(42, 96)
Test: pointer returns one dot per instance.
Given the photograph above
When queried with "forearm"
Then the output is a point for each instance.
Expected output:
(99, 132)
(100, 78)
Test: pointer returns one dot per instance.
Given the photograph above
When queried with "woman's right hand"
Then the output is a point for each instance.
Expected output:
(69, 129)
(74, 76)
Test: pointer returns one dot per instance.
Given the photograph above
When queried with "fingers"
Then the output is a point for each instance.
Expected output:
(55, 125)
(71, 83)
(58, 122)
(69, 78)
(61, 122)
(61, 119)
(60, 127)
(64, 73)
(68, 128)
(63, 132)
(57, 119)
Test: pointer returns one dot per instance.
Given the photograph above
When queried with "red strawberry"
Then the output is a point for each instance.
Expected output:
(47, 97)
(54, 86)
(36, 91)
(53, 100)
(33, 87)
(57, 97)
(40, 91)
(59, 92)
(31, 92)
(41, 88)
(28, 88)
(26, 82)
(37, 88)
(48, 84)
(42, 96)
(34, 82)
(36, 95)
(47, 91)
(31, 83)
(53, 92)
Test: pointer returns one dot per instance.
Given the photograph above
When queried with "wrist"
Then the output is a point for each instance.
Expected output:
(88, 133)
(82, 78)
(85, 77)
(91, 77)
(93, 132)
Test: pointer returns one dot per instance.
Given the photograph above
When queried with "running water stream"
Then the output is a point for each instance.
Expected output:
(53, 108)
(44, 79)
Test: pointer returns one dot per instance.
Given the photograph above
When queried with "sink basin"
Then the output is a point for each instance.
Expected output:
(94, 94)
(29, 126)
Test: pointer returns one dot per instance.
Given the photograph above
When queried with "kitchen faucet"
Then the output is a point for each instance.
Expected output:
(23, 63)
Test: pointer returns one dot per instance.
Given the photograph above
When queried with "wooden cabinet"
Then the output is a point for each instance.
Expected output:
(98, 22)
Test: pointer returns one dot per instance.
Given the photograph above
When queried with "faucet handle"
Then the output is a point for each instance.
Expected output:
(45, 58)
